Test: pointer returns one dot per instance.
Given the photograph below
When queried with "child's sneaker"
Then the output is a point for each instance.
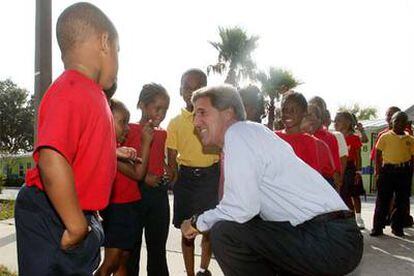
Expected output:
(360, 222)
(204, 273)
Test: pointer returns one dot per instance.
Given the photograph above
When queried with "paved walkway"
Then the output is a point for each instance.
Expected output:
(386, 255)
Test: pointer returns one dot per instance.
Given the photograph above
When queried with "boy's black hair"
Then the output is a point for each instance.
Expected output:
(117, 105)
(80, 21)
(297, 98)
(196, 72)
(349, 117)
(252, 96)
(400, 115)
(150, 91)
(394, 109)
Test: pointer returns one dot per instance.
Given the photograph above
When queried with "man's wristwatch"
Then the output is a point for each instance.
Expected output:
(193, 222)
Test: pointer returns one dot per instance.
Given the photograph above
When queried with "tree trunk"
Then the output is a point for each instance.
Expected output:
(271, 113)
(231, 78)
(43, 52)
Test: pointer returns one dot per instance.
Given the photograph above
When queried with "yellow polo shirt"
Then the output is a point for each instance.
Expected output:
(395, 148)
(182, 137)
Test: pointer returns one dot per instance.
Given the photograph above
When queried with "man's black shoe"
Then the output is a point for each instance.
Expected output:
(376, 232)
(398, 233)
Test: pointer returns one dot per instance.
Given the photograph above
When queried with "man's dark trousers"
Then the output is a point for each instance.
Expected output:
(258, 247)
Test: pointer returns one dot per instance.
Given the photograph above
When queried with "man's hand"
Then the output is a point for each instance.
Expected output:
(188, 231)
(126, 153)
(72, 238)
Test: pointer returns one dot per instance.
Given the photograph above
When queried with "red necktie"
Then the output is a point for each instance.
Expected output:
(221, 180)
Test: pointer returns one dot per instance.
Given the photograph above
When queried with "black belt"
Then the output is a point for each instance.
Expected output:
(397, 166)
(197, 171)
(342, 214)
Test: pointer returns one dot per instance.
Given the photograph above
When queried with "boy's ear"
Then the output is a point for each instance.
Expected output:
(229, 113)
(105, 43)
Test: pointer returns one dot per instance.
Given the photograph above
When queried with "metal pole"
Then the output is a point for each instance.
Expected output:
(43, 51)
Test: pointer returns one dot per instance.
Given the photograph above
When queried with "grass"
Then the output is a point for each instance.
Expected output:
(5, 272)
(6, 211)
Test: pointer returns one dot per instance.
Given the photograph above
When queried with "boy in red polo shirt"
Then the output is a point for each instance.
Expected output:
(56, 227)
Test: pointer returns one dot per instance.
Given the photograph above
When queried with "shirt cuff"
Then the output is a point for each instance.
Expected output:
(202, 226)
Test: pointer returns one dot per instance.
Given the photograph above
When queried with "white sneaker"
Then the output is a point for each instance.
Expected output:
(360, 223)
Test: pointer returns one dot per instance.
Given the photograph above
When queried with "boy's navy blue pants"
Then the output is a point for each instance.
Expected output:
(39, 231)
(392, 180)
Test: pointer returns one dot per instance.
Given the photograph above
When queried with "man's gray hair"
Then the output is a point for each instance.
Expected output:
(222, 97)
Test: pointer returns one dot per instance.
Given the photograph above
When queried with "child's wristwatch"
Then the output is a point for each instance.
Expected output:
(193, 222)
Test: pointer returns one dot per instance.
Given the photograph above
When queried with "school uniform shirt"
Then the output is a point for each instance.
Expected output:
(75, 120)
(126, 189)
(263, 176)
(374, 149)
(395, 148)
(354, 145)
(408, 130)
(327, 166)
(304, 146)
(181, 137)
(330, 140)
(342, 146)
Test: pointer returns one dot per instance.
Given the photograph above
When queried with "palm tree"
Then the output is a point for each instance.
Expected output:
(235, 50)
(274, 84)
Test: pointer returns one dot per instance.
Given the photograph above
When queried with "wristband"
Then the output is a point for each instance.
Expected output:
(193, 222)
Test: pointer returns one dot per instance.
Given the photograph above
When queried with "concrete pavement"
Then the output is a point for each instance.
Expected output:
(386, 255)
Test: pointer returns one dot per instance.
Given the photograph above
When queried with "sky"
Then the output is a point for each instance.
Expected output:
(346, 51)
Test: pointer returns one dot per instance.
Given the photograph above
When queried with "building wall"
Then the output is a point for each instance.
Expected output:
(15, 167)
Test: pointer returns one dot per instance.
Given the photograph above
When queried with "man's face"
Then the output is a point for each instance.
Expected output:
(190, 83)
(209, 122)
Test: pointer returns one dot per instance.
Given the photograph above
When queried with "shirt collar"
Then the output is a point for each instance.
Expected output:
(186, 114)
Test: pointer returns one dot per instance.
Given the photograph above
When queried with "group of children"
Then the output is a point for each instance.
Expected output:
(93, 165)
